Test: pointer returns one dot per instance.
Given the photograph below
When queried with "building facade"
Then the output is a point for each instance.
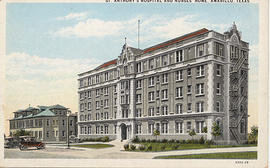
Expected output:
(46, 123)
(187, 83)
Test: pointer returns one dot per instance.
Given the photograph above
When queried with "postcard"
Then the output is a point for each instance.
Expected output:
(134, 83)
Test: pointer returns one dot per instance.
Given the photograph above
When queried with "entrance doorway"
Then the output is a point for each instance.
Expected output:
(123, 131)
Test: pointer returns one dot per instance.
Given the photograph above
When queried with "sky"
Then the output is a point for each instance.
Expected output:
(48, 44)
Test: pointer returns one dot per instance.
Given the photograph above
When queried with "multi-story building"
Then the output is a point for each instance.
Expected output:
(185, 83)
(47, 123)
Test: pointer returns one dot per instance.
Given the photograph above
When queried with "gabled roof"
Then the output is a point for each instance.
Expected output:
(45, 113)
(173, 41)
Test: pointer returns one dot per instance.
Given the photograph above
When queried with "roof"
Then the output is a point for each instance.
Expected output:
(30, 108)
(29, 116)
(136, 51)
(107, 64)
(173, 41)
(45, 113)
(57, 106)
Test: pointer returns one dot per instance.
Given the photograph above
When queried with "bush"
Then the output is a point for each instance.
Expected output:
(136, 140)
(149, 148)
(177, 141)
(163, 147)
(189, 141)
(164, 141)
(195, 141)
(126, 147)
(209, 142)
(132, 147)
(143, 140)
(153, 140)
(183, 141)
(171, 141)
(105, 139)
(148, 140)
(202, 141)
(174, 147)
(142, 147)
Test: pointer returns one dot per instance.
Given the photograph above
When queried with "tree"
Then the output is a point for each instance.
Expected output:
(156, 133)
(21, 132)
(253, 136)
(192, 133)
(216, 131)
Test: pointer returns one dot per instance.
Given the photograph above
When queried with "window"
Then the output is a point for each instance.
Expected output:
(115, 88)
(151, 111)
(89, 93)
(138, 98)
(122, 85)
(189, 72)
(157, 94)
(138, 112)
(63, 122)
(106, 76)
(47, 134)
(164, 60)
(179, 92)
(89, 81)
(138, 128)
(200, 50)
(151, 81)
(157, 78)
(157, 110)
(189, 107)
(164, 128)
(89, 105)
(97, 93)
(115, 129)
(179, 75)
(219, 49)
(188, 126)
(81, 107)
(242, 127)
(115, 101)
(106, 91)
(200, 89)
(199, 106)
(179, 56)
(106, 129)
(97, 129)
(81, 96)
(218, 106)
(106, 115)
(48, 122)
(178, 127)
(189, 89)
(97, 105)
(151, 64)
(200, 70)
(89, 130)
(97, 116)
(218, 88)
(63, 133)
(151, 128)
(97, 79)
(89, 117)
(179, 109)
(164, 94)
(139, 67)
(164, 78)
(106, 103)
(139, 84)
(164, 110)
(151, 96)
(218, 70)
(199, 126)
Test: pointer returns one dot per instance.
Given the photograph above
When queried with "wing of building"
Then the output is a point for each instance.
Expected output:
(47, 123)
(189, 82)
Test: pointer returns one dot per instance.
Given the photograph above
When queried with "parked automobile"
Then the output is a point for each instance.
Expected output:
(74, 139)
(28, 141)
(11, 142)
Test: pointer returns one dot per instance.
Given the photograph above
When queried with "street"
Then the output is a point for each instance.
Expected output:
(60, 151)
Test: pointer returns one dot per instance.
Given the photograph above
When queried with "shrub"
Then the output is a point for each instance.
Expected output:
(174, 147)
(142, 147)
(195, 141)
(209, 142)
(189, 141)
(126, 147)
(177, 141)
(171, 141)
(143, 140)
(183, 141)
(202, 141)
(163, 147)
(153, 140)
(132, 147)
(105, 139)
(148, 140)
(136, 140)
(149, 148)
(164, 141)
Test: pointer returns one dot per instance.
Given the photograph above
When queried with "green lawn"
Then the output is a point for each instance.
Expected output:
(95, 146)
(157, 146)
(229, 155)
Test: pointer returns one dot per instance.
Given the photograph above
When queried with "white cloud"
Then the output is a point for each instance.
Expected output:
(35, 80)
(153, 27)
(76, 16)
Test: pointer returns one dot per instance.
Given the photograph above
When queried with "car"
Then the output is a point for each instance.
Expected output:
(28, 141)
(11, 142)
(74, 139)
